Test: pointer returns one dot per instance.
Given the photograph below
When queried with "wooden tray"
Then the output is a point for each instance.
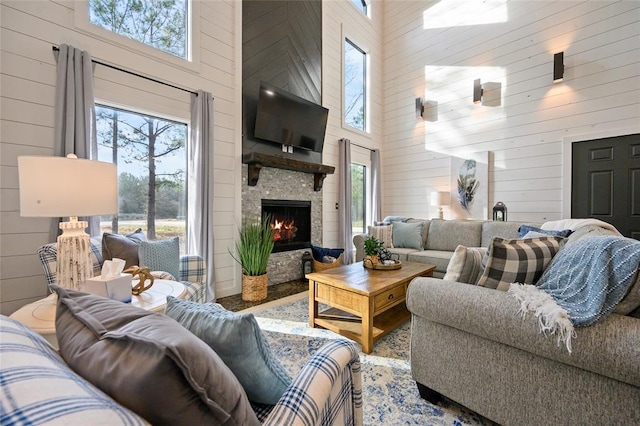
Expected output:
(379, 266)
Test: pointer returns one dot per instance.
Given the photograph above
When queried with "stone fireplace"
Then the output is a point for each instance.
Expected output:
(291, 192)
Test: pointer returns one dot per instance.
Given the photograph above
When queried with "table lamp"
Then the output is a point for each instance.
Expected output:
(440, 199)
(68, 187)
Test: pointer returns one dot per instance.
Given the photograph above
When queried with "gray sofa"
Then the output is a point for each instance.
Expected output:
(441, 237)
(471, 344)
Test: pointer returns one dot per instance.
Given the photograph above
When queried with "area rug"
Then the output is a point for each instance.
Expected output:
(390, 395)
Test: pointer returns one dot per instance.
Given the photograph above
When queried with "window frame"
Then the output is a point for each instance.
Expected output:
(367, 85)
(367, 7)
(192, 62)
(365, 194)
(101, 102)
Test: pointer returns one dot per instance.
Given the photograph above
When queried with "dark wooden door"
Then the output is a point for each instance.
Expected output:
(605, 182)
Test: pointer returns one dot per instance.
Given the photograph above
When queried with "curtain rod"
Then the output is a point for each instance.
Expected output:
(363, 147)
(104, 64)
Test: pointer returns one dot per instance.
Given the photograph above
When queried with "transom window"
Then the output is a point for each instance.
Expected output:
(162, 24)
(151, 156)
(361, 5)
(355, 86)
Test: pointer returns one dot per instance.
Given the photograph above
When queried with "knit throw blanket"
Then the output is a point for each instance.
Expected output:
(583, 283)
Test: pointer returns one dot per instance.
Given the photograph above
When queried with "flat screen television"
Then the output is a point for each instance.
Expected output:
(285, 118)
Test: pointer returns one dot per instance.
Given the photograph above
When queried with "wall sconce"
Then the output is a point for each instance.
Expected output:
(489, 94)
(558, 67)
(427, 110)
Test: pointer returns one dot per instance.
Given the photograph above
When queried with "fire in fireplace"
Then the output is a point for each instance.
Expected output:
(291, 221)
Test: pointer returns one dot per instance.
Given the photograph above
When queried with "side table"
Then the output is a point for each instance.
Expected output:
(40, 316)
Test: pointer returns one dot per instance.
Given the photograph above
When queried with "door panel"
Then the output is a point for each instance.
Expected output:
(605, 182)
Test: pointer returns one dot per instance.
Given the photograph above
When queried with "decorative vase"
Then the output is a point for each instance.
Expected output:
(254, 288)
(373, 258)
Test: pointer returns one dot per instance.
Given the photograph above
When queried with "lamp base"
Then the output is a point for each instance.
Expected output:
(73, 264)
(440, 213)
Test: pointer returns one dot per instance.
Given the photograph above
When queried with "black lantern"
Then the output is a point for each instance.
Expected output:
(307, 263)
(500, 212)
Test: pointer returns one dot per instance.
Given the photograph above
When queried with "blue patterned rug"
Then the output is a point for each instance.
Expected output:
(389, 393)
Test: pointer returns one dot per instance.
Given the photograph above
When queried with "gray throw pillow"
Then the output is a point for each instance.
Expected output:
(148, 362)
(123, 247)
(238, 340)
(163, 255)
(407, 235)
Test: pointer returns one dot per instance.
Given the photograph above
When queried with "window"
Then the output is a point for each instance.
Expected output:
(358, 198)
(162, 24)
(150, 153)
(355, 80)
(361, 5)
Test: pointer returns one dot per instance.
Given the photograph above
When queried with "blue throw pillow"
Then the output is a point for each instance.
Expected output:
(161, 255)
(407, 235)
(319, 252)
(524, 229)
(238, 340)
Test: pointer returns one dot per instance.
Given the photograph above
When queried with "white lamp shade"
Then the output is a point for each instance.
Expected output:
(61, 187)
(441, 198)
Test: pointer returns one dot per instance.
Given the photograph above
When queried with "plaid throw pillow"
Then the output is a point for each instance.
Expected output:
(517, 261)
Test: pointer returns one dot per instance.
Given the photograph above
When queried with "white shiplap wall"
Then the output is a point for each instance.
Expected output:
(28, 29)
(341, 19)
(436, 49)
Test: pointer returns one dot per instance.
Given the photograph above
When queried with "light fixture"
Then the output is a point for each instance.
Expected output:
(558, 67)
(427, 110)
(490, 94)
(440, 199)
(68, 187)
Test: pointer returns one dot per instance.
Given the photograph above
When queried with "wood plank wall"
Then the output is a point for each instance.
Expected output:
(436, 49)
(28, 29)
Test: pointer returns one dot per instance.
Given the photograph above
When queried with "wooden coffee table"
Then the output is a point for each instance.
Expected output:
(365, 304)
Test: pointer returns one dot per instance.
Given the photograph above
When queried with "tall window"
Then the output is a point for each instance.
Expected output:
(150, 153)
(358, 198)
(361, 5)
(161, 24)
(355, 81)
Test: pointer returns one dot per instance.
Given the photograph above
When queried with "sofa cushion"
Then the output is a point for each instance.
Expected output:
(163, 255)
(465, 265)
(439, 258)
(449, 234)
(384, 233)
(39, 388)
(148, 362)
(123, 247)
(238, 340)
(517, 261)
(490, 229)
(407, 235)
(403, 253)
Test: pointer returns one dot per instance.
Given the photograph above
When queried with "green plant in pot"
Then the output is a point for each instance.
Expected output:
(254, 246)
(372, 247)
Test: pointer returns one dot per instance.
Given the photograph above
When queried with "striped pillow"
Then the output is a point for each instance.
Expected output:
(383, 233)
(39, 388)
(465, 265)
(518, 261)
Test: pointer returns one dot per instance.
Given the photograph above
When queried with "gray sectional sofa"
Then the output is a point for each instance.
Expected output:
(472, 345)
(441, 237)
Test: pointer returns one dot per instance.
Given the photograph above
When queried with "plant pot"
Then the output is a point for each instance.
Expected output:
(373, 258)
(254, 288)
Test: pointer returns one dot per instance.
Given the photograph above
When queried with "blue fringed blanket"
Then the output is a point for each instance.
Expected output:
(583, 283)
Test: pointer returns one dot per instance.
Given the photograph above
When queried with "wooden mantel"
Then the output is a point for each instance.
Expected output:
(256, 161)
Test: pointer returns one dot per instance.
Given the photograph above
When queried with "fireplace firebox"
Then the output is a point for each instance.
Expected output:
(291, 222)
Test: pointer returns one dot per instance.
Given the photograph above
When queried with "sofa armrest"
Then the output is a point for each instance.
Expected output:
(358, 241)
(193, 274)
(494, 315)
(328, 390)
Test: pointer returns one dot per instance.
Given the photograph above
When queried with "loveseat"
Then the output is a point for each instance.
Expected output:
(120, 365)
(434, 241)
(473, 345)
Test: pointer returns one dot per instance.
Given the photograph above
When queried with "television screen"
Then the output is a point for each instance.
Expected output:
(285, 118)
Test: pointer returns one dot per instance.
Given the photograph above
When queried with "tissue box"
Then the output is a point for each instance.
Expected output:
(114, 288)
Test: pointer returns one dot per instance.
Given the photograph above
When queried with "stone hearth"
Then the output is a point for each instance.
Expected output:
(279, 184)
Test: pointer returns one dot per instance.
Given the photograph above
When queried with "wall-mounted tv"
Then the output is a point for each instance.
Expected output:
(285, 118)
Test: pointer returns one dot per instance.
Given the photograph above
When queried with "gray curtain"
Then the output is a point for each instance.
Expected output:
(75, 114)
(200, 184)
(376, 191)
(344, 212)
